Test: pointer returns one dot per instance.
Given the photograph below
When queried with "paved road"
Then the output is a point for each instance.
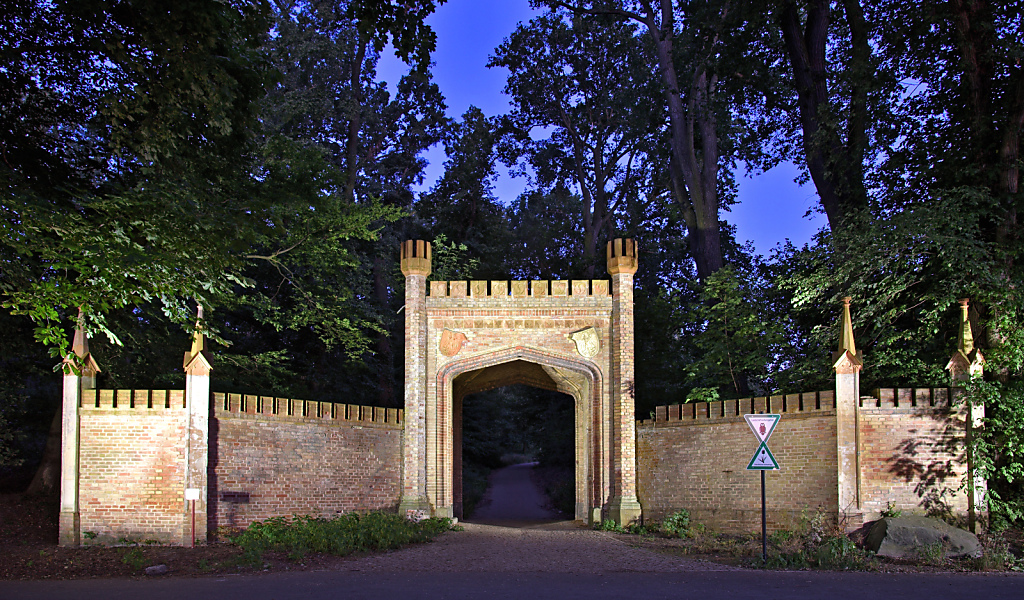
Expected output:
(560, 586)
(536, 559)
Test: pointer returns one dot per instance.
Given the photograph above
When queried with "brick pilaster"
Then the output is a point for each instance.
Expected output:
(847, 365)
(197, 402)
(77, 377)
(622, 264)
(416, 267)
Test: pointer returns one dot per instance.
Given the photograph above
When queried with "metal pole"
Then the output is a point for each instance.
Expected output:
(194, 521)
(764, 524)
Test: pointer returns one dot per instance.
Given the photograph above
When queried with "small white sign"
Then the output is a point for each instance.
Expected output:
(191, 493)
(762, 425)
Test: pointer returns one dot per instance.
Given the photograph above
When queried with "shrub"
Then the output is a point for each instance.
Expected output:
(342, 535)
(677, 524)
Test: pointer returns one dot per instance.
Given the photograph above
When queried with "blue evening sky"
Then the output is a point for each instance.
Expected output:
(771, 206)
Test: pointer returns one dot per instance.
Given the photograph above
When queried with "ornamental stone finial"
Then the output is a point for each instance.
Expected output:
(415, 258)
(622, 256)
(847, 357)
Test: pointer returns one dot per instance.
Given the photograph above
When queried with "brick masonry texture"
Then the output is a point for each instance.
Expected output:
(911, 451)
(280, 457)
(695, 456)
(132, 464)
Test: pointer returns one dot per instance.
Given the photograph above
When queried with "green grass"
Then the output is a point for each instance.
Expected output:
(300, 535)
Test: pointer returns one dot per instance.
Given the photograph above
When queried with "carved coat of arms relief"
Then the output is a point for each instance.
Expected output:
(451, 342)
(587, 342)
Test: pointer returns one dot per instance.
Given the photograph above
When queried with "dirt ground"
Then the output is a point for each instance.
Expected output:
(28, 545)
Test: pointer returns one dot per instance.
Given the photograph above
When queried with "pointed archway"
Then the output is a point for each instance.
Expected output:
(572, 336)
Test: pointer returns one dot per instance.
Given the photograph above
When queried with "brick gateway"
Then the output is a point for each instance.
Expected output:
(131, 458)
(575, 337)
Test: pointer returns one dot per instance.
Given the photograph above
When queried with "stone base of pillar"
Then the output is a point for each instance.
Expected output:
(414, 507)
(70, 528)
(445, 512)
(624, 510)
(594, 516)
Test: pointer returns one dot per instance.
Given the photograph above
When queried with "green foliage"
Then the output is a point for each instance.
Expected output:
(890, 511)
(300, 535)
(677, 524)
(133, 558)
(450, 262)
(8, 453)
(737, 340)
(609, 525)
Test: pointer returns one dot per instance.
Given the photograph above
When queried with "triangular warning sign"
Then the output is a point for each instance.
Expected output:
(762, 425)
(763, 460)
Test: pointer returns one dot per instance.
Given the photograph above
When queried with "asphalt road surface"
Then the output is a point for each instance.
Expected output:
(514, 550)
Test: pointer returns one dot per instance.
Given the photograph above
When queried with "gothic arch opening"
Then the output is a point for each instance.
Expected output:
(533, 369)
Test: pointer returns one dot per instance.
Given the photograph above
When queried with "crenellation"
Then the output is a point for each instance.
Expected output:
(458, 289)
(520, 289)
(438, 289)
(499, 289)
(539, 288)
(478, 289)
(560, 288)
(580, 287)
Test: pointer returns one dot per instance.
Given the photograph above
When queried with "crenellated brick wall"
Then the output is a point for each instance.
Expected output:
(909, 453)
(694, 456)
(132, 465)
(278, 457)
(911, 450)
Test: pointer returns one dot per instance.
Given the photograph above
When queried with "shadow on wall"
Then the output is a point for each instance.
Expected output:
(928, 455)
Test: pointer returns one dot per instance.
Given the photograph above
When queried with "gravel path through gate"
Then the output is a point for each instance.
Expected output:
(513, 532)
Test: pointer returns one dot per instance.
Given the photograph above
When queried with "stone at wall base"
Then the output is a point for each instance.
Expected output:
(415, 508)
(624, 510)
(70, 529)
(910, 537)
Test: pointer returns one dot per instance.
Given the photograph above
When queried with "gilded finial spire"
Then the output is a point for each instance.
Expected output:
(195, 359)
(846, 342)
(197, 336)
(847, 357)
(966, 342)
(80, 345)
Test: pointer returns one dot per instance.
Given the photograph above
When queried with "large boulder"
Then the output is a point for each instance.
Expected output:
(908, 537)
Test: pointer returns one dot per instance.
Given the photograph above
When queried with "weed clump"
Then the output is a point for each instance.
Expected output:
(298, 536)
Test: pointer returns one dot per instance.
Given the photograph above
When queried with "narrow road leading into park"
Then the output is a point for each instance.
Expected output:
(513, 498)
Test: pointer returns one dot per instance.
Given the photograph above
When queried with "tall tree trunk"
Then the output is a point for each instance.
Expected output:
(47, 478)
(695, 181)
(385, 351)
(355, 121)
(836, 168)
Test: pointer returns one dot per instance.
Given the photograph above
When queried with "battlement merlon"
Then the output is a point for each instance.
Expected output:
(622, 256)
(415, 258)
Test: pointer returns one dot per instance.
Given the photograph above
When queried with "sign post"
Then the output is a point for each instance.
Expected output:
(763, 460)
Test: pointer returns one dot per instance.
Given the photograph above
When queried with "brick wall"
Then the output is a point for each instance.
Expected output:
(279, 457)
(911, 451)
(694, 456)
(132, 465)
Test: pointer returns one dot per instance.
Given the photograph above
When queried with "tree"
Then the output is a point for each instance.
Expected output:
(588, 81)
(691, 87)
(462, 205)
